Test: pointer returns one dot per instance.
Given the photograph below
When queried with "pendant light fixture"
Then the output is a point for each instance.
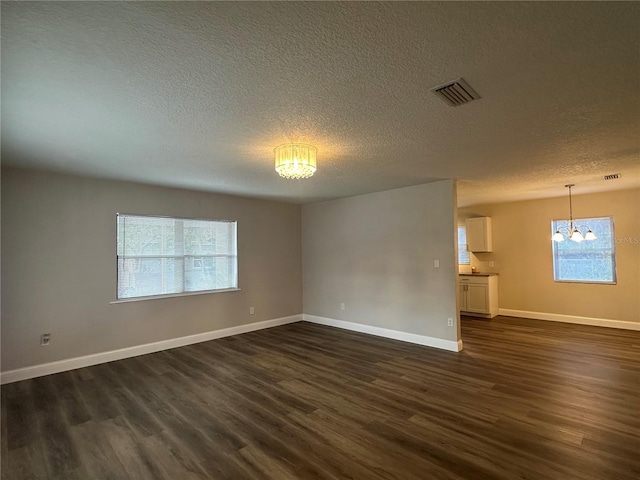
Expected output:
(296, 160)
(572, 231)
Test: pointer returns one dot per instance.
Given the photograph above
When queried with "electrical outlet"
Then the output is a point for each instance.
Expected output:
(252, 311)
(342, 306)
(45, 340)
(450, 322)
(436, 264)
(492, 264)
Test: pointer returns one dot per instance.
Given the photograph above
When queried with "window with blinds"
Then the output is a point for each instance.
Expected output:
(589, 261)
(463, 253)
(166, 256)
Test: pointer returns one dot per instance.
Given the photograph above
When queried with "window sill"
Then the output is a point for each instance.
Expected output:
(591, 282)
(172, 295)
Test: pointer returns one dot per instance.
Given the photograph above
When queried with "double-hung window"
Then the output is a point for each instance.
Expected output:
(166, 256)
(463, 253)
(588, 261)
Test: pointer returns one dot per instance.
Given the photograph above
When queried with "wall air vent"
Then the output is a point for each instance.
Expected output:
(456, 93)
(613, 176)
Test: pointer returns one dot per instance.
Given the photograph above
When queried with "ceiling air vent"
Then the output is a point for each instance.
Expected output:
(456, 93)
(613, 176)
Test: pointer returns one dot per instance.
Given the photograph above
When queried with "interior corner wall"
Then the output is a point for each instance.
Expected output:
(59, 266)
(375, 253)
(522, 255)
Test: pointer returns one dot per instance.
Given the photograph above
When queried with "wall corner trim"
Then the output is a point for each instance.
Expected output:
(556, 317)
(450, 345)
(34, 371)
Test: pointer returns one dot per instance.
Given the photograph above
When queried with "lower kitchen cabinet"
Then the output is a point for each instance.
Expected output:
(479, 295)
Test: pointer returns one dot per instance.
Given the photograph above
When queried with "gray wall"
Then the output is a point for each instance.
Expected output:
(375, 253)
(59, 266)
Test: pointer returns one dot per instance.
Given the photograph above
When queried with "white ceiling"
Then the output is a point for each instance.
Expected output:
(197, 95)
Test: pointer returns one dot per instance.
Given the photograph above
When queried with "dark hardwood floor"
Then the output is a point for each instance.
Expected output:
(525, 399)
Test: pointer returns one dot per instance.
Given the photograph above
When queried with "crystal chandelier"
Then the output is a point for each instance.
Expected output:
(295, 160)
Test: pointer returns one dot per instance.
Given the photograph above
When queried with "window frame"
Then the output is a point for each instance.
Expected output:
(184, 257)
(465, 244)
(584, 221)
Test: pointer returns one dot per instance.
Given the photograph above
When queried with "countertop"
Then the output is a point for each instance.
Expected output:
(478, 274)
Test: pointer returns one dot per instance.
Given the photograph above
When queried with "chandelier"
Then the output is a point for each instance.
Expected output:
(295, 160)
(572, 231)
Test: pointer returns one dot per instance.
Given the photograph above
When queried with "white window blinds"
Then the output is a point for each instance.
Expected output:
(463, 253)
(164, 256)
(590, 261)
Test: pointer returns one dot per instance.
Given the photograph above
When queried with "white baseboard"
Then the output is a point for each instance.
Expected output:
(451, 345)
(555, 317)
(34, 371)
(103, 357)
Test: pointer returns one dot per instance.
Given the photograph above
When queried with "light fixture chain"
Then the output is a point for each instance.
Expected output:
(573, 233)
(570, 208)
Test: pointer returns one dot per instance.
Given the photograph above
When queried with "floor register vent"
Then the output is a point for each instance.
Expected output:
(456, 93)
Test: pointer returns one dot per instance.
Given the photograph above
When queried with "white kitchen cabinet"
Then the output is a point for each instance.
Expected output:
(479, 295)
(479, 235)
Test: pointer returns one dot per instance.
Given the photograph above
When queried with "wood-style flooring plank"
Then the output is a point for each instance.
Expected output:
(525, 399)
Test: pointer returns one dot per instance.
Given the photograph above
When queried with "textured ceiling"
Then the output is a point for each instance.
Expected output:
(197, 95)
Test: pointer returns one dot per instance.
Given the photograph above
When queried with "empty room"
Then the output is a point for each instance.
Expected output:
(320, 240)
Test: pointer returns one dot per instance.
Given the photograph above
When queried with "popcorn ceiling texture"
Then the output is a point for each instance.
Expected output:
(197, 94)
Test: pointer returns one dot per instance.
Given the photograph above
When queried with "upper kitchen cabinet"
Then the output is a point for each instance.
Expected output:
(479, 234)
